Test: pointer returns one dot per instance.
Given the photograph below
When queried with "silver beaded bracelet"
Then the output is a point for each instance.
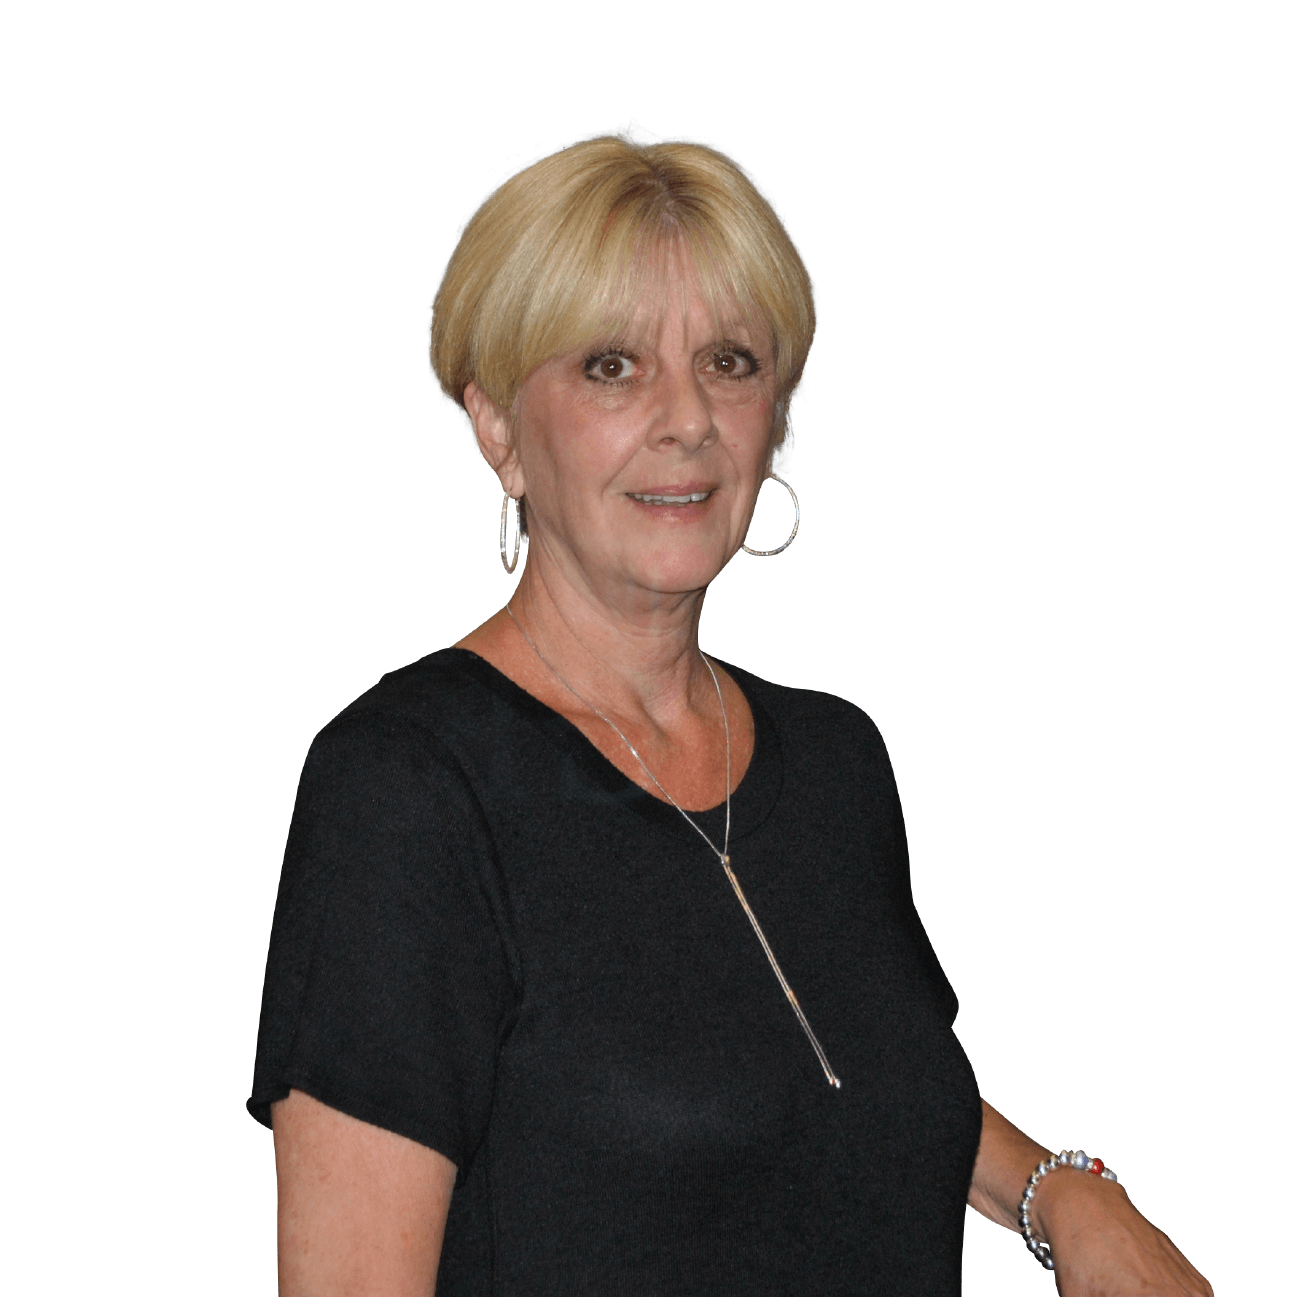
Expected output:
(1080, 1162)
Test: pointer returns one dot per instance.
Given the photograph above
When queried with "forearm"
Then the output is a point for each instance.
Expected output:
(1004, 1162)
(1063, 1201)
(1101, 1244)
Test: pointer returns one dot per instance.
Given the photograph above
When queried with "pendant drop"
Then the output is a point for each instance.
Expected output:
(832, 1078)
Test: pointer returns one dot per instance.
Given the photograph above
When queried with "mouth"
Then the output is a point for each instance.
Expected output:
(670, 499)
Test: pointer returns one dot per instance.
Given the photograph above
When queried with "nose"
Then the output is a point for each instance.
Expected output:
(684, 417)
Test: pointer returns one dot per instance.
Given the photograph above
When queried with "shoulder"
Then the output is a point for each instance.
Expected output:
(415, 728)
(809, 713)
(427, 704)
(824, 742)
(384, 792)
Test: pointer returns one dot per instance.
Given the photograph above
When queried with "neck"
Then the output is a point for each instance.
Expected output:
(625, 651)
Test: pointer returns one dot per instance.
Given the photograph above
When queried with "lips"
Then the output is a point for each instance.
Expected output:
(675, 499)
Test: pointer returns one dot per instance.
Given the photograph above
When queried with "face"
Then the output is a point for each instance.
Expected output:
(641, 455)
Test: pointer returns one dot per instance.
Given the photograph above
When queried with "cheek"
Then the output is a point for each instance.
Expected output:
(595, 450)
(577, 449)
(750, 422)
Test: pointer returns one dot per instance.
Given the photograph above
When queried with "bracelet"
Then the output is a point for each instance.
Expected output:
(1081, 1162)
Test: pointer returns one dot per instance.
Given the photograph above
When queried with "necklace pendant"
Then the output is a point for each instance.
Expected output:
(832, 1079)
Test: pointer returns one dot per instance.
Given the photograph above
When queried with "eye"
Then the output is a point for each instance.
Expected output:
(734, 362)
(610, 367)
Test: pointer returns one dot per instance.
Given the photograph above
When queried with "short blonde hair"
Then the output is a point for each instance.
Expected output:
(554, 258)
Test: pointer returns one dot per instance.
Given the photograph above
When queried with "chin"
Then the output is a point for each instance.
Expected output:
(677, 573)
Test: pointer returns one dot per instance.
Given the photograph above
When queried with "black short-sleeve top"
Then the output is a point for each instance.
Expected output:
(489, 940)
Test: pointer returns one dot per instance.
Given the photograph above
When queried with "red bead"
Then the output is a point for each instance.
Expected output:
(1096, 1166)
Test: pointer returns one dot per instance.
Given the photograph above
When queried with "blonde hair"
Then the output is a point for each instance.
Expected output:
(557, 256)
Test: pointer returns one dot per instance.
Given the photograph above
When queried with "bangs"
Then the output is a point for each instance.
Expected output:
(567, 253)
(608, 300)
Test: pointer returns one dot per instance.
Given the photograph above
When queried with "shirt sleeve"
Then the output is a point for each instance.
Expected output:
(389, 983)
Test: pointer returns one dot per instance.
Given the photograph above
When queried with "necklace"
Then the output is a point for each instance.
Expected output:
(832, 1078)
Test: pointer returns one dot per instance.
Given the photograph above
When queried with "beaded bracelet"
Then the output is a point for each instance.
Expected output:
(1081, 1162)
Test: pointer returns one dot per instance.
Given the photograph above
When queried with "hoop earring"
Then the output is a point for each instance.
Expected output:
(510, 568)
(766, 553)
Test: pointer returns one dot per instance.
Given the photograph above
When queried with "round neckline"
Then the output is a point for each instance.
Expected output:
(751, 800)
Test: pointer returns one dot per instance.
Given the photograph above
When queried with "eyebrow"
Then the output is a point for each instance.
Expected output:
(627, 342)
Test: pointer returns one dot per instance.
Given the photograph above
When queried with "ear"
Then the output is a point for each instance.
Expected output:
(493, 428)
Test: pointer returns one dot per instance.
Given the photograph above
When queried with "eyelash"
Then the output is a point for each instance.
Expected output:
(601, 354)
(753, 364)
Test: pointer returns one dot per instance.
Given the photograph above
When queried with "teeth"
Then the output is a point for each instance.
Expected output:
(695, 498)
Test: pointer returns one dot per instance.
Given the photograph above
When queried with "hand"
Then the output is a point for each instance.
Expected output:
(1104, 1247)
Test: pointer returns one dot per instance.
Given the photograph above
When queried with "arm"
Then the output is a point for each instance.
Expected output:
(1103, 1246)
(361, 1210)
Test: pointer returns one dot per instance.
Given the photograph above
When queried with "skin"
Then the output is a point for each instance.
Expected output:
(678, 403)
(1102, 1245)
(613, 588)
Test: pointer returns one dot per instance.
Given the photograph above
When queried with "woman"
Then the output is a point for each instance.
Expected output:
(595, 966)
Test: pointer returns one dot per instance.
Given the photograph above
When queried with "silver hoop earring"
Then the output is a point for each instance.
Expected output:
(510, 568)
(766, 553)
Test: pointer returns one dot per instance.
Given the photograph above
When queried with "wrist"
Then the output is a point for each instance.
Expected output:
(1061, 1191)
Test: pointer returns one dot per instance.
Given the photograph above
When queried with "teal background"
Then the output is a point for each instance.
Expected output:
(1042, 449)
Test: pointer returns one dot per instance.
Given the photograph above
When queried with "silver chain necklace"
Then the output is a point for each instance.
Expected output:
(832, 1077)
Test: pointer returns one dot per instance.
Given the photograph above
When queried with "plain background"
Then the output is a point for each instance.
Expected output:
(1042, 450)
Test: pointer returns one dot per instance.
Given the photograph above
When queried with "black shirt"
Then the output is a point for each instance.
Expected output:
(491, 941)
